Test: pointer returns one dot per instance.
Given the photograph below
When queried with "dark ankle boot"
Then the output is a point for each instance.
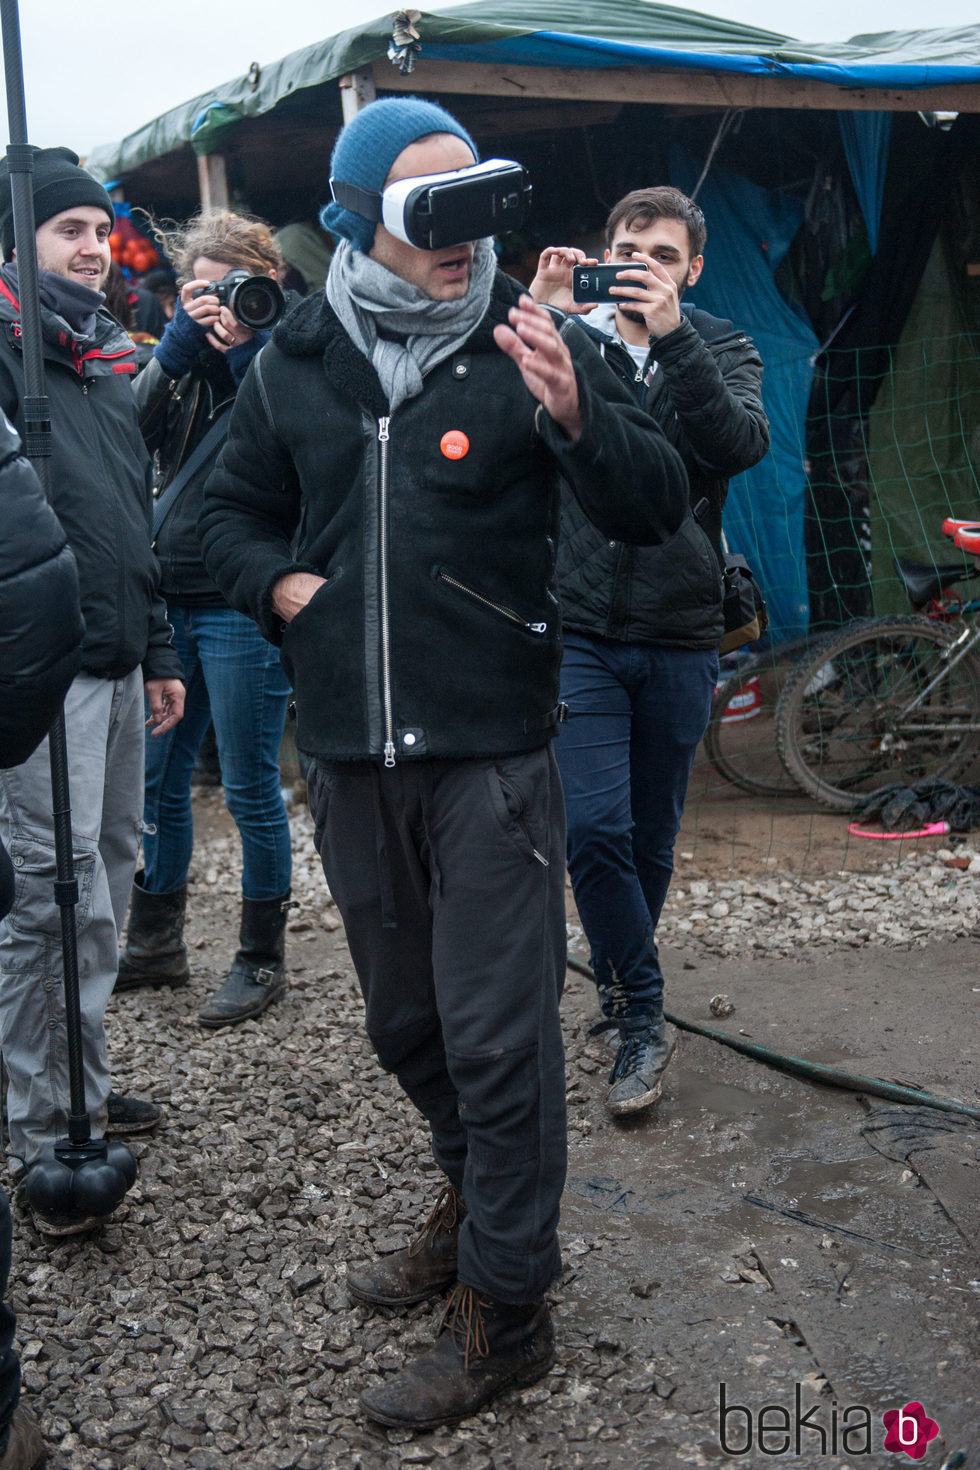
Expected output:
(154, 953)
(422, 1269)
(257, 975)
(482, 1348)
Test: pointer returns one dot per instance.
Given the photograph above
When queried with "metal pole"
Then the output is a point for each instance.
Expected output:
(84, 1175)
(37, 445)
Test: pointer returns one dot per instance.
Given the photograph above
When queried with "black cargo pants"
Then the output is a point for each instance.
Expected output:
(450, 877)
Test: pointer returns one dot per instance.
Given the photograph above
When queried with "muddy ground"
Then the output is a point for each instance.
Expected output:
(811, 1249)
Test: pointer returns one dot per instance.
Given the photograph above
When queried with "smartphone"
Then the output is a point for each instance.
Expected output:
(592, 282)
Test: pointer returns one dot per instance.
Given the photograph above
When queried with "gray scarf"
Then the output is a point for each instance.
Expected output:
(74, 303)
(361, 291)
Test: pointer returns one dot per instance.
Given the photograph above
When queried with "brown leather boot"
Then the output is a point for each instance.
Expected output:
(482, 1348)
(26, 1449)
(422, 1269)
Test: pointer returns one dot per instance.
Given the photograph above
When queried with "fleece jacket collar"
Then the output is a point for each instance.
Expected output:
(313, 329)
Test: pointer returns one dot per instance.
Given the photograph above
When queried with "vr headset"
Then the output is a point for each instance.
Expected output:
(435, 210)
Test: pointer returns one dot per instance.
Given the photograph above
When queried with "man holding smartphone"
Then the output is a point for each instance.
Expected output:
(643, 624)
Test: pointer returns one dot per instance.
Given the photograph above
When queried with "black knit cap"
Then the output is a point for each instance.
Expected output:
(58, 184)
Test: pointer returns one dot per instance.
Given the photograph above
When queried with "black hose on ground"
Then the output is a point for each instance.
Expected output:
(811, 1071)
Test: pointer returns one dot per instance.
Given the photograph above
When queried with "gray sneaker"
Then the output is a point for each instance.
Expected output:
(130, 1115)
(637, 1078)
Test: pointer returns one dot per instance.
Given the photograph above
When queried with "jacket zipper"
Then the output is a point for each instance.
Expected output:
(383, 440)
(187, 434)
(506, 612)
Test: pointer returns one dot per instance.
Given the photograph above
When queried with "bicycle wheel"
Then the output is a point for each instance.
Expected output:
(740, 741)
(881, 701)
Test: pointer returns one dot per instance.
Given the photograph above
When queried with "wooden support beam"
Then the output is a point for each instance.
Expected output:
(541, 117)
(212, 181)
(357, 89)
(692, 88)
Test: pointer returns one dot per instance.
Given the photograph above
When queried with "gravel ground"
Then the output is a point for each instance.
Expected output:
(928, 895)
(207, 1324)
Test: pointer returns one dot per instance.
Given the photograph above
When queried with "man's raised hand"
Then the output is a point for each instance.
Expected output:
(544, 362)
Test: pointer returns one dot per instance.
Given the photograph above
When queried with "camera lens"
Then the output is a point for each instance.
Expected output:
(257, 303)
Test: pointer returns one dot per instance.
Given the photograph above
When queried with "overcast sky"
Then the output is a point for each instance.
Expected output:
(94, 74)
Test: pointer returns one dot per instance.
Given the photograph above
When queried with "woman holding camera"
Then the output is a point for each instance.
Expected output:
(233, 677)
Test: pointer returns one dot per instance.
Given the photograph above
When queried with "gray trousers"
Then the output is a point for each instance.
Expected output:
(104, 724)
(450, 877)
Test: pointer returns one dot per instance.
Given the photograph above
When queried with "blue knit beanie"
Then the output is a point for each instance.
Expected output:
(368, 146)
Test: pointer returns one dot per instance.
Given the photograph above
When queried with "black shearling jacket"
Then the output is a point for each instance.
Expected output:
(100, 487)
(706, 395)
(40, 619)
(437, 631)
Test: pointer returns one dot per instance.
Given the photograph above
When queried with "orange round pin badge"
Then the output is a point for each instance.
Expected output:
(454, 444)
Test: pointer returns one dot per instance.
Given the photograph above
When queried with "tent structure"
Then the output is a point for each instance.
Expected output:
(828, 173)
(614, 53)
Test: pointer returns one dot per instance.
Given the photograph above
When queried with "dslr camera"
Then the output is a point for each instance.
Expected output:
(255, 301)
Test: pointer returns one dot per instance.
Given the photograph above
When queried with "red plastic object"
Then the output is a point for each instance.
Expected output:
(966, 534)
(931, 829)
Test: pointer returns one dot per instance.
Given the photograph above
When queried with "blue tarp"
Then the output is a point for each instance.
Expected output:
(749, 231)
(552, 48)
(866, 137)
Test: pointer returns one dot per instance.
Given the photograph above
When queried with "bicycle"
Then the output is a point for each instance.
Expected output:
(740, 741)
(889, 699)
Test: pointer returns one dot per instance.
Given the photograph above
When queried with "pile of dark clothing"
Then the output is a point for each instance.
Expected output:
(906, 808)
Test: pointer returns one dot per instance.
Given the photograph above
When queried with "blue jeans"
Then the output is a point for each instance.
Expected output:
(636, 714)
(233, 677)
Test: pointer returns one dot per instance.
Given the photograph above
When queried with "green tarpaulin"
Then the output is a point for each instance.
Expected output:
(549, 33)
(924, 432)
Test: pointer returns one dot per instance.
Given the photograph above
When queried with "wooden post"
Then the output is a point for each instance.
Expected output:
(212, 181)
(356, 91)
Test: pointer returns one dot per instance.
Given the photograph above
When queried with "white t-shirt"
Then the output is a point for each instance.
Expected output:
(604, 317)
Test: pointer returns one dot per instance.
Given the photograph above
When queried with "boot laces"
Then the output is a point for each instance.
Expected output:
(463, 1317)
(444, 1215)
(631, 1053)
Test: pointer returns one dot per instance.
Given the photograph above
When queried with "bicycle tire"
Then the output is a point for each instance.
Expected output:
(843, 726)
(740, 741)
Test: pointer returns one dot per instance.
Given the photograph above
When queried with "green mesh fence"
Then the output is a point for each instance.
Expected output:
(914, 458)
(893, 448)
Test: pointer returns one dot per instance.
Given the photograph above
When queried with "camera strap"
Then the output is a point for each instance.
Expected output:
(211, 441)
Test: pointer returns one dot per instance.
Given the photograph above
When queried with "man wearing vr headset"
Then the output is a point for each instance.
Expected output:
(386, 508)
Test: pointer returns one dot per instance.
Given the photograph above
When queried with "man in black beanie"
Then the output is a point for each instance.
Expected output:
(385, 508)
(100, 491)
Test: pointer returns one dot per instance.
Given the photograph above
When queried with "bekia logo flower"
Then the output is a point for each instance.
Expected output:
(909, 1430)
